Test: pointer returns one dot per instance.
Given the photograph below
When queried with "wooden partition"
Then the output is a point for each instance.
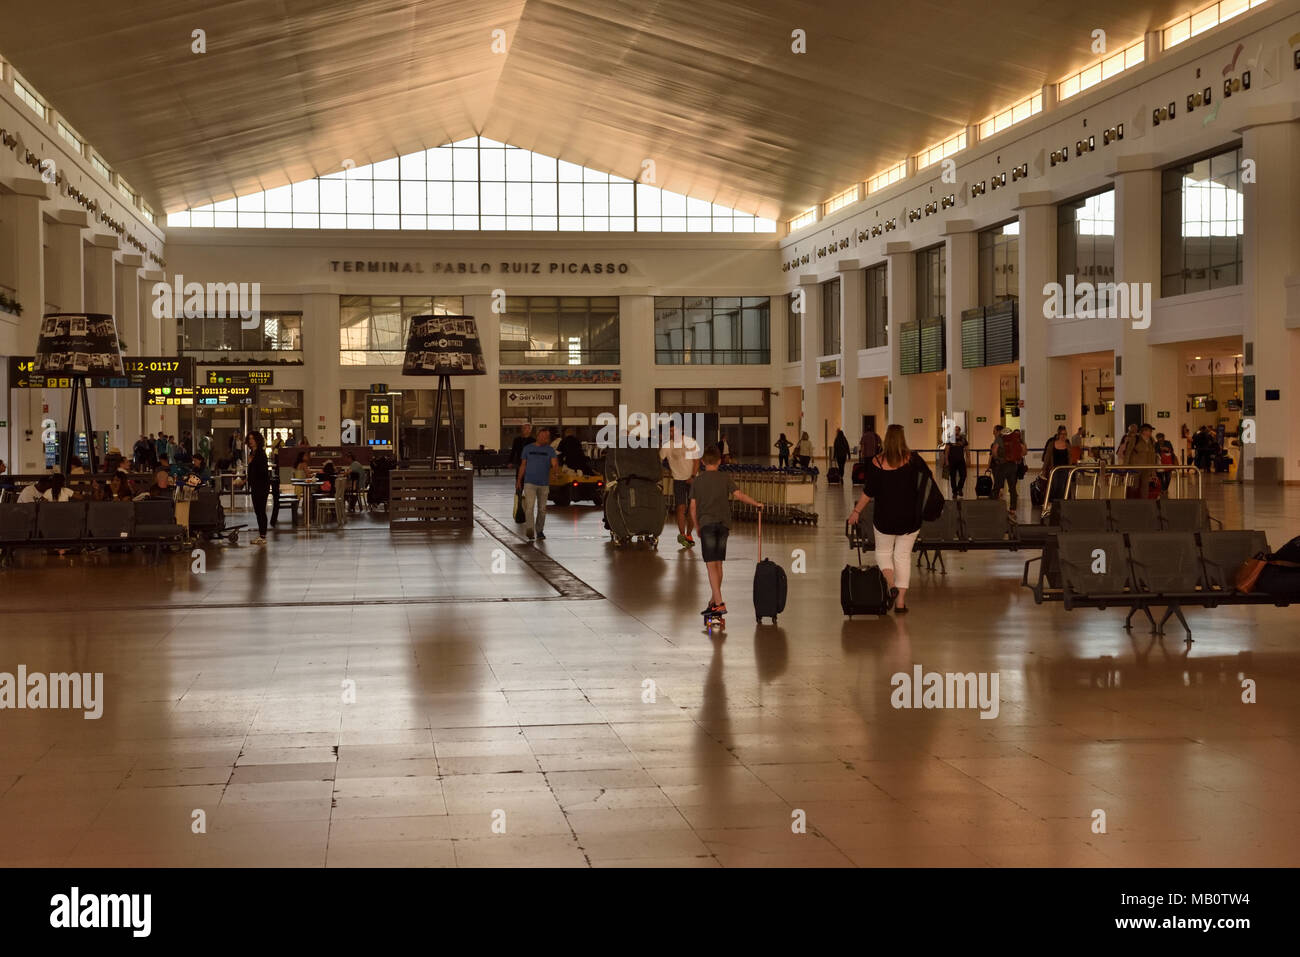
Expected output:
(431, 495)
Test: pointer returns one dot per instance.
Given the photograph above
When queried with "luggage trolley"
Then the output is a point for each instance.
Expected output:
(787, 494)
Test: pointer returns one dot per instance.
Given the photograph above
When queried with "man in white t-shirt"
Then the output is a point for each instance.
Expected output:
(683, 455)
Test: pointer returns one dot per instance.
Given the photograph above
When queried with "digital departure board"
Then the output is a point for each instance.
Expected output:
(142, 372)
(243, 377)
(380, 422)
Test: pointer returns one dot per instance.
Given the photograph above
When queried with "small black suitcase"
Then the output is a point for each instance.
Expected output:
(864, 591)
(984, 486)
(769, 583)
(834, 476)
(1038, 491)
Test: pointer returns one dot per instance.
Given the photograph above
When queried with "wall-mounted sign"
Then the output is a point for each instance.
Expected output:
(559, 376)
(1162, 415)
(480, 267)
(380, 419)
(225, 395)
(139, 372)
(1272, 395)
(981, 418)
(918, 421)
(1058, 417)
(519, 397)
(247, 377)
(828, 369)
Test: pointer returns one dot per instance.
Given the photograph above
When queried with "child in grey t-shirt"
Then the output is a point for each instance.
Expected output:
(711, 495)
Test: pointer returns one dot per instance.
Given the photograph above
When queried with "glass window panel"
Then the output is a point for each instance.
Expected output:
(333, 221)
(649, 224)
(569, 172)
(519, 222)
(486, 143)
(697, 207)
(491, 222)
(440, 199)
(674, 224)
(647, 200)
(306, 197)
(620, 199)
(570, 223)
(179, 219)
(438, 163)
(544, 200)
(625, 224)
(333, 196)
(413, 198)
(674, 204)
(306, 221)
(696, 224)
(360, 197)
(414, 222)
(595, 199)
(280, 199)
(544, 168)
(386, 197)
(252, 203)
(465, 222)
(465, 197)
(595, 223)
(594, 176)
(518, 165)
(413, 166)
(493, 198)
(387, 221)
(519, 200)
(441, 222)
(465, 164)
(223, 219)
(252, 220)
(386, 169)
(492, 164)
(570, 199)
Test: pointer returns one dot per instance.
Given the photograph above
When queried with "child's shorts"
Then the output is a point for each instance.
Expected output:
(713, 542)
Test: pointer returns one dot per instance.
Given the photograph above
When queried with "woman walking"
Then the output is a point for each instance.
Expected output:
(840, 449)
(783, 446)
(259, 482)
(892, 479)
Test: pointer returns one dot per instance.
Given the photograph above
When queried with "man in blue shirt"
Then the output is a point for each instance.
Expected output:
(537, 464)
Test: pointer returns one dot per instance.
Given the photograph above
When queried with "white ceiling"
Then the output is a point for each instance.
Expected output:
(708, 89)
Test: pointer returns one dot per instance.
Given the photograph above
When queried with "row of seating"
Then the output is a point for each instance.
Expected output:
(1142, 570)
(964, 525)
(149, 522)
(1134, 515)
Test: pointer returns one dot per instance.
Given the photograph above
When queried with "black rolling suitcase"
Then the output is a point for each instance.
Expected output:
(769, 583)
(1038, 492)
(834, 476)
(864, 591)
(984, 486)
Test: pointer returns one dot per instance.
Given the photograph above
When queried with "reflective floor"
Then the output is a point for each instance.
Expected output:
(370, 698)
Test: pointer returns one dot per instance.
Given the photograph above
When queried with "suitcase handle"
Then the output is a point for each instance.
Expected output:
(760, 535)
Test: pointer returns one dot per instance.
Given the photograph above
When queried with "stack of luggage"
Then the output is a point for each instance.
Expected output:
(634, 498)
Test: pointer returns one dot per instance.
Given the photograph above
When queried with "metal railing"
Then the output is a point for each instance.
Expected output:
(1113, 481)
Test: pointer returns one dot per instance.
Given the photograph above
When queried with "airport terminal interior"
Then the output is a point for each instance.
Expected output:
(295, 298)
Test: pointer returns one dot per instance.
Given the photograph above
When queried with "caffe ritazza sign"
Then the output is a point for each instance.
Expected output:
(480, 268)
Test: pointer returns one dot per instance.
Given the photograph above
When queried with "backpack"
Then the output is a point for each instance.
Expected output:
(1012, 449)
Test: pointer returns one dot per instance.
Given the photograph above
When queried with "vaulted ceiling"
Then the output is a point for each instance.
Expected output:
(708, 89)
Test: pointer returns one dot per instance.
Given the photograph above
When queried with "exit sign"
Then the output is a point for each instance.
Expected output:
(1162, 415)
(981, 418)
(918, 421)
(1059, 417)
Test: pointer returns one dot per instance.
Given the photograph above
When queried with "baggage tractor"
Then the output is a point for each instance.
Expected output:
(859, 473)
(984, 486)
(834, 476)
(634, 511)
(769, 583)
(623, 464)
(864, 591)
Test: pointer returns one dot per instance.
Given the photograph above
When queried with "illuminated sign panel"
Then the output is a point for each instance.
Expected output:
(247, 377)
(380, 420)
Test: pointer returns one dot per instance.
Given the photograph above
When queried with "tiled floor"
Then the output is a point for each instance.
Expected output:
(506, 715)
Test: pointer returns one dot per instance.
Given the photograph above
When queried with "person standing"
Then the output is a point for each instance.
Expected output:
(259, 482)
(804, 451)
(840, 450)
(954, 455)
(1142, 451)
(995, 461)
(1165, 453)
(1076, 446)
(892, 479)
(682, 453)
(537, 466)
(523, 439)
(869, 447)
(783, 446)
(1013, 459)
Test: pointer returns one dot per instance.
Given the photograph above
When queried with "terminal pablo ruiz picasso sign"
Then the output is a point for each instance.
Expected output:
(483, 267)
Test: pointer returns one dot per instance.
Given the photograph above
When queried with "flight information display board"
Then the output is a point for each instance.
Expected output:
(142, 372)
(380, 422)
(243, 377)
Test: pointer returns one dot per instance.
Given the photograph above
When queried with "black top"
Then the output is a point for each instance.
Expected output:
(895, 495)
(1054, 455)
(259, 473)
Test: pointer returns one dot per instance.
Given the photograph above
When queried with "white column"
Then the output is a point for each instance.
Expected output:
(482, 392)
(130, 403)
(1037, 268)
(636, 344)
(1271, 258)
(22, 209)
(320, 345)
(1137, 260)
(905, 397)
(810, 343)
(961, 293)
(853, 336)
